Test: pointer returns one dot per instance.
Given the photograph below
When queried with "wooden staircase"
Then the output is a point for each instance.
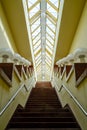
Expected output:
(43, 110)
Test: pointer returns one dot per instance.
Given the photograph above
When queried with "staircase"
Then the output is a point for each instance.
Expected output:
(43, 110)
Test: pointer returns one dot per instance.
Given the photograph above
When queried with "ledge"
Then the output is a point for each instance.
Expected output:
(19, 69)
(56, 69)
(69, 70)
(24, 72)
(6, 72)
(30, 68)
(80, 72)
(62, 71)
(25, 69)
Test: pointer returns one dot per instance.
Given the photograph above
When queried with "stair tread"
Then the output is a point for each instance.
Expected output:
(43, 109)
(44, 125)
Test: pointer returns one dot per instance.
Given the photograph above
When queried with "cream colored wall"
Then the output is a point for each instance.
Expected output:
(6, 40)
(6, 92)
(80, 92)
(80, 39)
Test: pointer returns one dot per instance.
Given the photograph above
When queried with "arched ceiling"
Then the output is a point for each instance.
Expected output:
(43, 18)
(15, 15)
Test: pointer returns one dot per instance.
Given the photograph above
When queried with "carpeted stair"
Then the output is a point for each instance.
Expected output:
(43, 110)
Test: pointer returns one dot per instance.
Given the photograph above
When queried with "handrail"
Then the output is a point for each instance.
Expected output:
(10, 101)
(74, 98)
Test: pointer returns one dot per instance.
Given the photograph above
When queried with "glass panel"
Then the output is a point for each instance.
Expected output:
(39, 54)
(31, 2)
(48, 63)
(50, 32)
(37, 38)
(36, 33)
(34, 10)
(39, 71)
(49, 49)
(52, 20)
(51, 25)
(36, 47)
(37, 44)
(38, 63)
(48, 70)
(50, 36)
(38, 59)
(49, 44)
(51, 10)
(43, 62)
(48, 56)
(48, 60)
(47, 67)
(39, 47)
(50, 39)
(38, 67)
(33, 26)
(55, 2)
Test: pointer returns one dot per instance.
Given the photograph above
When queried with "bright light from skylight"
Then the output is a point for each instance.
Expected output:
(43, 18)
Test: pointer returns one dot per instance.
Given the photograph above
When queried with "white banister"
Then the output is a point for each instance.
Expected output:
(73, 97)
(13, 97)
(79, 53)
(16, 93)
(76, 101)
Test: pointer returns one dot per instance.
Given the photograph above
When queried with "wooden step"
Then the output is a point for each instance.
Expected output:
(43, 110)
(43, 125)
(44, 114)
(42, 119)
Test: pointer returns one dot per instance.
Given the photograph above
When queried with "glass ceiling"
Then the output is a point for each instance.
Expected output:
(42, 22)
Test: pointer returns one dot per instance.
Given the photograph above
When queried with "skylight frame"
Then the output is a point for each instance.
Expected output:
(34, 41)
(37, 44)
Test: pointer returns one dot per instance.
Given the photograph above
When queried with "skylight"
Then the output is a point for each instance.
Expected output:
(43, 18)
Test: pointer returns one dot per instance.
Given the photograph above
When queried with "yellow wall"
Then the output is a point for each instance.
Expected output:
(80, 39)
(80, 92)
(6, 92)
(5, 31)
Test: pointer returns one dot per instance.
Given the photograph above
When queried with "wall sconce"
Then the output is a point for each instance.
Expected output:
(81, 53)
(6, 54)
